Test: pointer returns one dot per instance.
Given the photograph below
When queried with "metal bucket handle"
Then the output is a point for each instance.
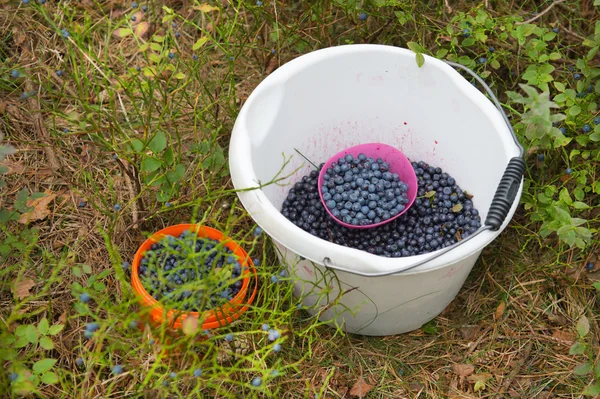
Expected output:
(499, 208)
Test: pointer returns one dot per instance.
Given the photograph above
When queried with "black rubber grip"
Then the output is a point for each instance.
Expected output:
(505, 193)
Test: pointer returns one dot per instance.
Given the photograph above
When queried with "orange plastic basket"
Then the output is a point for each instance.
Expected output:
(210, 319)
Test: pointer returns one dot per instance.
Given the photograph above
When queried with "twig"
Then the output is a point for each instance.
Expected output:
(570, 32)
(38, 122)
(514, 372)
(302, 155)
(450, 10)
(134, 210)
(540, 14)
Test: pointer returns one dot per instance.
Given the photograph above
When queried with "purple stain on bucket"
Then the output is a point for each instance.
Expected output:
(398, 163)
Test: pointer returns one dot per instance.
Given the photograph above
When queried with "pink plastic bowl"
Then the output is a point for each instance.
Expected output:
(398, 164)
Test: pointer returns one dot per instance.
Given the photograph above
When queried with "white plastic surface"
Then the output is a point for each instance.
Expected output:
(331, 99)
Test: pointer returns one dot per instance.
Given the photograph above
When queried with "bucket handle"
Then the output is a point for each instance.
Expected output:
(502, 202)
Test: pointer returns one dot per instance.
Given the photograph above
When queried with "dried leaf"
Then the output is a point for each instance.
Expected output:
(205, 8)
(40, 209)
(457, 208)
(360, 388)
(469, 332)
(271, 66)
(21, 288)
(499, 310)
(463, 370)
(430, 194)
(189, 325)
(141, 29)
(564, 336)
(122, 32)
(62, 319)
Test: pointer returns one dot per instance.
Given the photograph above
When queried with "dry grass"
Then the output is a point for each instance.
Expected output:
(507, 334)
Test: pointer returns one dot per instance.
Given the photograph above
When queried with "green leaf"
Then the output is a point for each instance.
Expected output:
(199, 43)
(32, 334)
(168, 156)
(580, 205)
(43, 326)
(158, 142)
(430, 194)
(575, 110)
(176, 175)
(578, 348)
(583, 326)
(46, 343)
(138, 145)
(596, 285)
(49, 378)
(179, 75)
(420, 59)
(22, 342)
(150, 164)
(123, 32)
(21, 329)
(583, 369)
(595, 136)
(592, 390)
(457, 208)
(87, 269)
(55, 329)
(77, 271)
(41, 366)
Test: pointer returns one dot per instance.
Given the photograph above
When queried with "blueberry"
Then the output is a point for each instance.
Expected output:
(198, 373)
(65, 33)
(597, 120)
(491, 49)
(117, 207)
(168, 204)
(79, 361)
(145, 8)
(177, 34)
(568, 171)
(586, 128)
(256, 261)
(173, 375)
(466, 32)
(25, 1)
(541, 157)
(589, 266)
(84, 297)
(274, 279)
(229, 337)
(81, 204)
(256, 381)
(116, 370)
(171, 55)
(482, 60)
(14, 73)
(265, 327)
(134, 5)
(42, 1)
(13, 377)
(563, 130)
(259, 3)
(555, 30)
(362, 16)
(92, 327)
(133, 17)
(88, 334)
(276, 348)
(576, 76)
(257, 231)
(195, 57)
(133, 324)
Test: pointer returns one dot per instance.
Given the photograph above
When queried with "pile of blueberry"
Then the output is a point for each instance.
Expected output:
(361, 191)
(441, 215)
(190, 273)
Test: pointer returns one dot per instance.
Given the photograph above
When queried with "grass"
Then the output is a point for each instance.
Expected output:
(154, 141)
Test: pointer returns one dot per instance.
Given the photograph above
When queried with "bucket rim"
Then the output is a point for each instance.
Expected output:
(270, 219)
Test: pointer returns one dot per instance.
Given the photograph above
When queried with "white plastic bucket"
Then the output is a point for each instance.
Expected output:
(335, 98)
